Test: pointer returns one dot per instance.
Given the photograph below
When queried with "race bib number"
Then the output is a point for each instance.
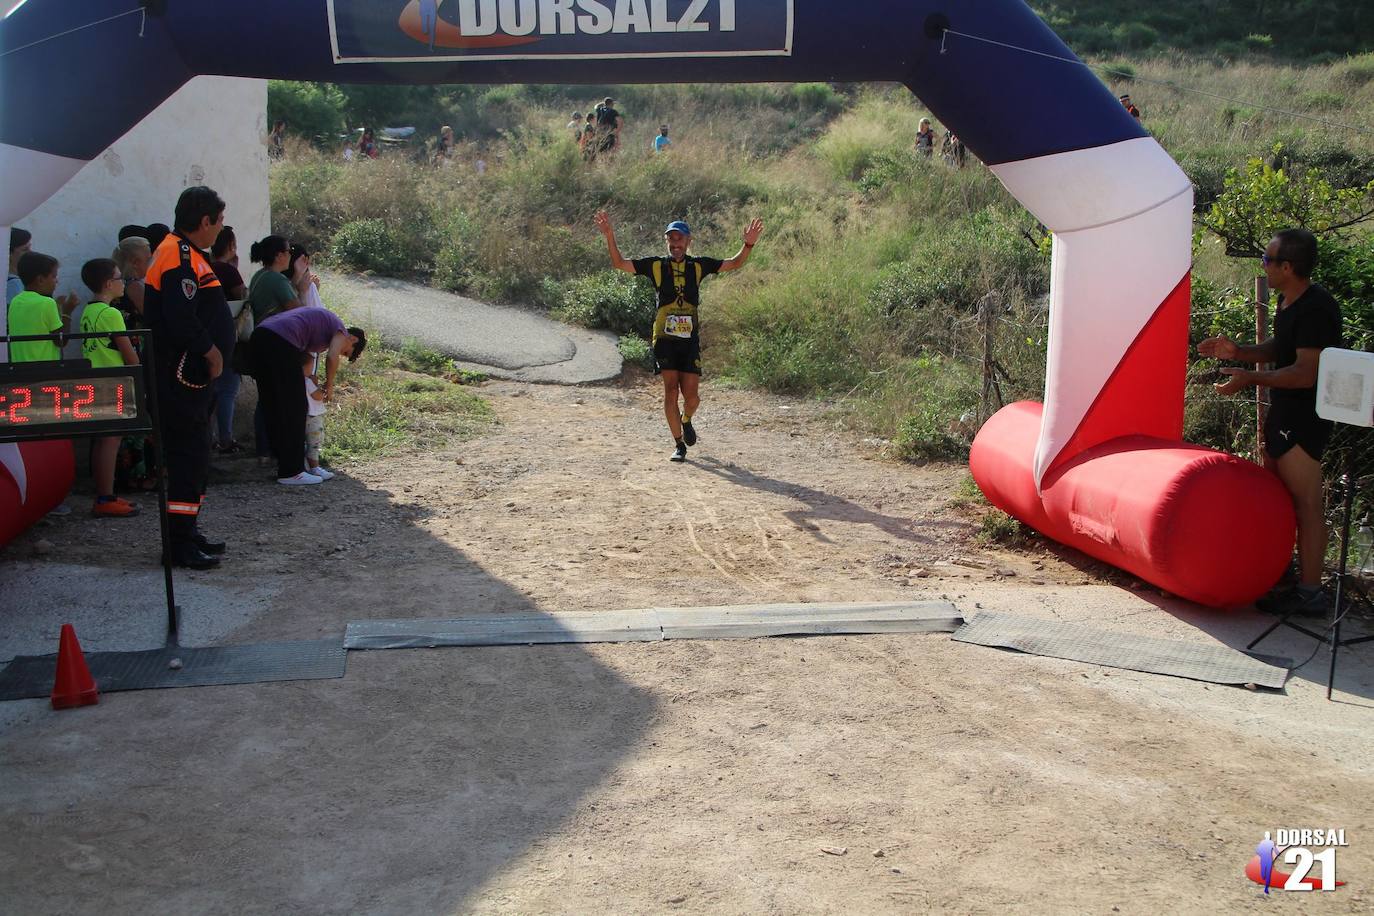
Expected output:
(678, 325)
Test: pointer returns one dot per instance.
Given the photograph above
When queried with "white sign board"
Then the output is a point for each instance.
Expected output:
(1345, 387)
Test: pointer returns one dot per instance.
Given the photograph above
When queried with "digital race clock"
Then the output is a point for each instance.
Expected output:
(40, 401)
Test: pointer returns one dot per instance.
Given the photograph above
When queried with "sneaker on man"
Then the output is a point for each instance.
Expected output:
(689, 435)
(300, 480)
(321, 472)
(679, 453)
(60, 510)
(1278, 597)
(1303, 602)
(113, 508)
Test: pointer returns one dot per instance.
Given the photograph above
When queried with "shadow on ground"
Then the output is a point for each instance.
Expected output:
(403, 787)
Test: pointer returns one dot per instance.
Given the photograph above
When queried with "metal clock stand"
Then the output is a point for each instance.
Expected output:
(68, 424)
(1349, 591)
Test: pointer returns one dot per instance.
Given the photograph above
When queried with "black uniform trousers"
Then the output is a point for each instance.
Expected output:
(186, 448)
(279, 371)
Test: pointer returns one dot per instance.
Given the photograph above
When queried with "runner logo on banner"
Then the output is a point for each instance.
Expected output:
(418, 31)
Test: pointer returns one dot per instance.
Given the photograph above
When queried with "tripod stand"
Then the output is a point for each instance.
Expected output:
(1346, 584)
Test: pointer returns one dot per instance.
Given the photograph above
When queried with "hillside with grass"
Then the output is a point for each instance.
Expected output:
(885, 283)
(1307, 31)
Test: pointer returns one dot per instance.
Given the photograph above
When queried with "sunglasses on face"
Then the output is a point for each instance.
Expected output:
(1270, 262)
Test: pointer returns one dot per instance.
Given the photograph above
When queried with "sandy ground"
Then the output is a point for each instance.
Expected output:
(666, 777)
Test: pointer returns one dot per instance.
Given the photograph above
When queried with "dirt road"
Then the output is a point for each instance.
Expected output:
(885, 774)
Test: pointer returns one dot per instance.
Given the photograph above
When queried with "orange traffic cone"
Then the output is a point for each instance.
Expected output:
(74, 685)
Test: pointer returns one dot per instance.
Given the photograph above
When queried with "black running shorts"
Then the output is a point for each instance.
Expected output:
(677, 354)
(1294, 423)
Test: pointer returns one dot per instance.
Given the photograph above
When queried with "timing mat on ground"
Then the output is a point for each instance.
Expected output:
(1074, 642)
(30, 676)
(655, 624)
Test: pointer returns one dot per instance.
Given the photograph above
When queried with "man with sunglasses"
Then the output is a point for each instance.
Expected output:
(1307, 321)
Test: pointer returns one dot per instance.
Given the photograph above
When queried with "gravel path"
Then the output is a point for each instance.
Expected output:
(501, 341)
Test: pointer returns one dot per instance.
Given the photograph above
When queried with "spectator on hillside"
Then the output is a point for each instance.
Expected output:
(925, 138)
(279, 347)
(609, 123)
(103, 278)
(586, 138)
(276, 142)
(661, 142)
(1129, 106)
(575, 125)
(952, 150)
(348, 153)
(367, 146)
(443, 153)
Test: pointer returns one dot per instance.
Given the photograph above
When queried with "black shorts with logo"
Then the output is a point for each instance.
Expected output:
(1291, 423)
(677, 354)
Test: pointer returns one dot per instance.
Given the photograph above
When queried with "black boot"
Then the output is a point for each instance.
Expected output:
(207, 546)
(188, 555)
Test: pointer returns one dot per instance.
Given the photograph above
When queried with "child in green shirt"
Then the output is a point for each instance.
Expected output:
(103, 278)
(34, 311)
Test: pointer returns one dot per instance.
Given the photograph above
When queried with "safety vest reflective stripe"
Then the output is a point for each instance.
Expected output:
(176, 508)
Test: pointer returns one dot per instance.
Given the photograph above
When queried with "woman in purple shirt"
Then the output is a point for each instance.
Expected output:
(278, 346)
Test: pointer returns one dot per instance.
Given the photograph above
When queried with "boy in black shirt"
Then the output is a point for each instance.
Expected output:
(677, 333)
(1308, 320)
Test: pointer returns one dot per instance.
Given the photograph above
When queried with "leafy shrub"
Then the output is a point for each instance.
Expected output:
(635, 349)
(1356, 73)
(1119, 71)
(1322, 101)
(1135, 36)
(816, 97)
(941, 426)
(611, 300)
(311, 110)
(368, 244)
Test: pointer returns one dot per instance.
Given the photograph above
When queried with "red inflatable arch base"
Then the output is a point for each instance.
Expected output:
(1204, 525)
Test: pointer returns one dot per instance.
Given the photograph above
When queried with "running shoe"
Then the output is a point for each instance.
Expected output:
(689, 435)
(300, 480)
(679, 453)
(114, 508)
(321, 472)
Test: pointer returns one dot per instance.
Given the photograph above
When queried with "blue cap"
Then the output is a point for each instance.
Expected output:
(677, 226)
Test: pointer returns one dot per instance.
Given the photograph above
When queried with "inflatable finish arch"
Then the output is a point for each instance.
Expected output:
(1119, 207)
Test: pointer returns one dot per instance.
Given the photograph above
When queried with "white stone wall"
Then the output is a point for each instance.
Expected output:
(211, 132)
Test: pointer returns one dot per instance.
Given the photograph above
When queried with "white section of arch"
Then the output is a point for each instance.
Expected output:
(1105, 285)
(12, 460)
(1083, 189)
(30, 177)
(1122, 218)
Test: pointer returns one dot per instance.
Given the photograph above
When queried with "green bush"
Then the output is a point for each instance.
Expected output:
(816, 97)
(369, 244)
(311, 110)
(635, 349)
(1321, 101)
(612, 300)
(941, 426)
(1135, 36)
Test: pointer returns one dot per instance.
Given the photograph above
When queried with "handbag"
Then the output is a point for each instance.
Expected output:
(243, 319)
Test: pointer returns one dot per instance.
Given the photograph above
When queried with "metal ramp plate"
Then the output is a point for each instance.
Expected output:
(30, 676)
(654, 624)
(1074, 642)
